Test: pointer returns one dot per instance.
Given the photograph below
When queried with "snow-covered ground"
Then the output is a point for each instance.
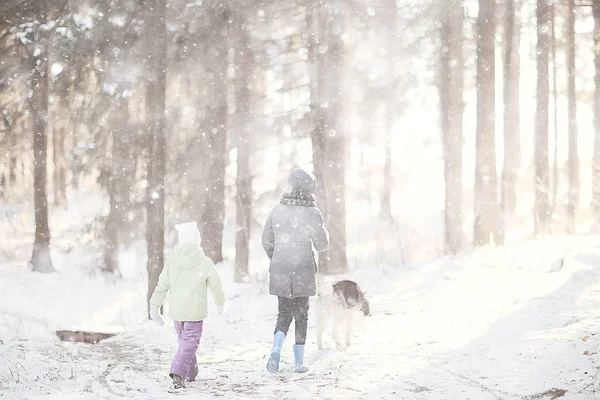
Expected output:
(510, 323)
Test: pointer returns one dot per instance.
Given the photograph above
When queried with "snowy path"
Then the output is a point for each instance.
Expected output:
(496, 324)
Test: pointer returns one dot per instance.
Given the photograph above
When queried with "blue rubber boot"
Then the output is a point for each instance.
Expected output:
(273, 363)
(299, 366)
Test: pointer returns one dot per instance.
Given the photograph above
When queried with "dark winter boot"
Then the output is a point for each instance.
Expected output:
(273, 363)
(178, 382)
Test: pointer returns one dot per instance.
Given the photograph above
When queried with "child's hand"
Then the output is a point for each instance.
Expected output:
(155, 315)
(221, 310)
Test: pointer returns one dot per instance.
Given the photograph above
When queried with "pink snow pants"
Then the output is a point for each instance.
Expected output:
(185, 363)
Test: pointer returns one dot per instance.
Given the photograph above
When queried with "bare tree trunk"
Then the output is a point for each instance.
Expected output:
(512, 147)
(155, 118)
(313, 27)
(12, 173)
(555, 171)
(111, 261)
(364, 170)
(77, 118)
(60, 165)
(451, 112)
(487, 212)
(40, 259)
(213, 215)
(385, 212)
(8, 180)
(243, 177)
(542, 178)
(596, 158)
(573, 161)
(329, 142)
(119, 169)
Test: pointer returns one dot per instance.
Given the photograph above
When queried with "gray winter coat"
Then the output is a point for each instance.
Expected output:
(288, 238)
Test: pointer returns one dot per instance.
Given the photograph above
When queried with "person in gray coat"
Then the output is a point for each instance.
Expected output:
(292, 229)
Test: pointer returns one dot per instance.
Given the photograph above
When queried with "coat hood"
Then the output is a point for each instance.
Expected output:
(187, 257)
(302, 180)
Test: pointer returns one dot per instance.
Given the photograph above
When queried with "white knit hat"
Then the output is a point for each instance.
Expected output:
(188, 234)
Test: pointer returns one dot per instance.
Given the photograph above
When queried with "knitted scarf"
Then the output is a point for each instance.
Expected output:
(298, 197)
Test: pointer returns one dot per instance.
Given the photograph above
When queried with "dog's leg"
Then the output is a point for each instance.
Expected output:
(349, 323)
(338, 325)
(321, 320)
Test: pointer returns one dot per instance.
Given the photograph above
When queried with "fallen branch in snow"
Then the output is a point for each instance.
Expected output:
(592, 381)
(553, 393)
(481, 386)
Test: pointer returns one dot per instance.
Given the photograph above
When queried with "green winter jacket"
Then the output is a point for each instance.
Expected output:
(186, 276)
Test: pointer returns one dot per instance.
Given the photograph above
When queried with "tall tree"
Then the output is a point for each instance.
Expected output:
(59, 134)
(40, 259)
(328, 139)
(487, 212)
(596, 158)
(555, 171)
(215, 137)
(121, 137)
(156, 123)
(573, 160)
(12, 166)
(60, 164)
(62, 83)
(385, 212)
(243, 181)
(451, 112)
(511, 70)
(389, 22)
(542, 177)
(118, 169)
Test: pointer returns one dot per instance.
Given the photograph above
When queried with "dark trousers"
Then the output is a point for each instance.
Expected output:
(296, 309)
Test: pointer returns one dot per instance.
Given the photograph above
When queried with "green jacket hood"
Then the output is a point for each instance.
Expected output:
(187, 257)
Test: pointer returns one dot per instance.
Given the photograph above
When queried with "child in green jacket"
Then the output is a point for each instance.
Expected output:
(187, 276)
